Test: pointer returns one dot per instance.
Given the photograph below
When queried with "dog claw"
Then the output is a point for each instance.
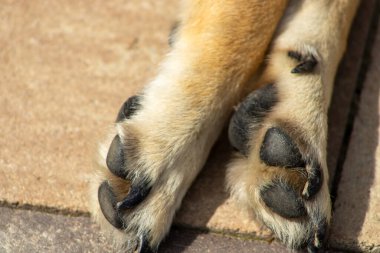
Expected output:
(135, 196)
(314, 181)
(128, 108)
(316, 242)
(144, 246)
(307, 63)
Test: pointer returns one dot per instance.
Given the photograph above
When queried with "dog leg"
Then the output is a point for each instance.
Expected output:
(280, 129)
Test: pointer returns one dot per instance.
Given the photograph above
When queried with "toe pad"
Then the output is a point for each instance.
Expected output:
(278, 149)
(249, 115)
(283, 200)
(115, 158)
(107, 201)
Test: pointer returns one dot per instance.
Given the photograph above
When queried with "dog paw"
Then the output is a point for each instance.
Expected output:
(121, 189)
(142, 180)
(280, 172)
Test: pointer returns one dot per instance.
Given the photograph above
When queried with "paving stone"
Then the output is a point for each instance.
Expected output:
(190, 241)
(357, 208)
(33, 231)
(66, 67)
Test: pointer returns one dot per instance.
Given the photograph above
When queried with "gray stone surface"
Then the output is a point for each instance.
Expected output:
(33, 231)
(190, 241)
(25, 231)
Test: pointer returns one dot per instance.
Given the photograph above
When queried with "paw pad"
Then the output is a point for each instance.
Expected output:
(107, 201)
(282, 199)
(115, 158)
(278, 149)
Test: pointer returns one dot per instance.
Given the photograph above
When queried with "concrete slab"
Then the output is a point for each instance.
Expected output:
(357, 209)
(66, 67)
(182, 240)
(32, 231)
(25, 231)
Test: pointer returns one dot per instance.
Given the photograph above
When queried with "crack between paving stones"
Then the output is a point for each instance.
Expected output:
(44, 209)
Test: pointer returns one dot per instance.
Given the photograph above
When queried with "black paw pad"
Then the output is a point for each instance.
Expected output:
(307, 62)
(107, 201)
(249, 115)
(314, 180)
(128, 108)
(136, 195)
(283, 200)
(279, 150)
(115, 158)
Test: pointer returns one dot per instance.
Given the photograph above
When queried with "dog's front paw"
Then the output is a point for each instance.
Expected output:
(123, 186)
(281, 172)
(142, 179)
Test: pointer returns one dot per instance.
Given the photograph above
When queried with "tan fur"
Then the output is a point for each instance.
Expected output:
(219, 45)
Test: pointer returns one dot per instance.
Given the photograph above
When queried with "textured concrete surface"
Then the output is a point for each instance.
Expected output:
(25, 231)
(66, 67)
(357, 209)
(33, 231)
(188, 241)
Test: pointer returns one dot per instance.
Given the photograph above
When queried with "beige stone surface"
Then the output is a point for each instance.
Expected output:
(357, 209)
(65, 69)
